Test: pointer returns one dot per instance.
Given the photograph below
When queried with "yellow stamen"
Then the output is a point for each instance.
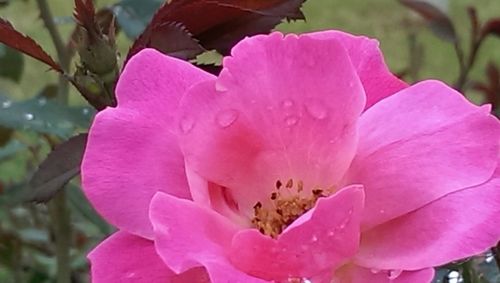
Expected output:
(286, 208)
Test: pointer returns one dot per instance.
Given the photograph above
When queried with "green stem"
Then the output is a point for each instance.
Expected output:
(62, 54)
(61, 227)
(58, 209)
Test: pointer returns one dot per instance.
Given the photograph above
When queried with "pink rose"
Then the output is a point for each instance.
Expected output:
(306, 160)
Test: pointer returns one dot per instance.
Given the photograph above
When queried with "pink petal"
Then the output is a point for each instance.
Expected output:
(131, 151)
(188, 236)
(419, 145)
(326, 239)
(282, 108)
(356, 274)
(459, 225)
(124, 257)
(368, 61)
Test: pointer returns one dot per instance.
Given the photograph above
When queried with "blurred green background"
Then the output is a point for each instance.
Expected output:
(382, 19)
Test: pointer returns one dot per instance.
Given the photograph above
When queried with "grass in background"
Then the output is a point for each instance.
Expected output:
(383, 19)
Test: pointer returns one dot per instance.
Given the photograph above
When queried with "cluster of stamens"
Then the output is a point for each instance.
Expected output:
(287, 204)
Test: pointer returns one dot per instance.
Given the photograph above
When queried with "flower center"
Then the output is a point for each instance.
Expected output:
(288, 202)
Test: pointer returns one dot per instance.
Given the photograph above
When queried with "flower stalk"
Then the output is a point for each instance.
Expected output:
(58, 209)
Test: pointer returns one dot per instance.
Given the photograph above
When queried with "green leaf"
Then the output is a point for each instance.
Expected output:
(11, 148)
(13, 195)
(134, 15)
(11, 63)
(60, 166)
(43, 115)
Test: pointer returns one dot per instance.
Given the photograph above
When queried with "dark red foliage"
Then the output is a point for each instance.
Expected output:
(213, 24)
(16, 40)
(439, 22)
(492, 27)
(491, 89)
(84, 14)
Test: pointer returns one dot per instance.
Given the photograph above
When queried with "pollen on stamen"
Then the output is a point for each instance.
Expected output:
(284, 207)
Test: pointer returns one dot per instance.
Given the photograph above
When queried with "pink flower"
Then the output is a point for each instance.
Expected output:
(306, 160)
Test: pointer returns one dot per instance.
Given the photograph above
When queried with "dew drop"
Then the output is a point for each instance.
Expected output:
(489, 258)
(85, 111)
(317, 110)
(226, 118)
(6, 104)
(298, 280)
(287, 103)
(375, 271)
(314, 239)
(291, 121)
(331, 233)
(186, 125)
(130, 275)
(29, 116)
(220, 87)
(393, 274)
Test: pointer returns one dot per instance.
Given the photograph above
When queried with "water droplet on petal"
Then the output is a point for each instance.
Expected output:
(130, 275)
(226, 118)
(287, 103)
(220, 87)
(6, 104)
(186, 124)
(291, 121)
(314, 238)
(393, 274)
(317, 110)
(331, 233)
(29, 116)
(298, 280)
(374, 271)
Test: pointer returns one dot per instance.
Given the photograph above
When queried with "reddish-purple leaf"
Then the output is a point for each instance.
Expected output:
(84, 14)
(60, 166)
(170, 38)
(219, 24)
(438, 21)
(474, 21)
(492, 27)
(16, 40)
(490, 89)
(493, 76)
